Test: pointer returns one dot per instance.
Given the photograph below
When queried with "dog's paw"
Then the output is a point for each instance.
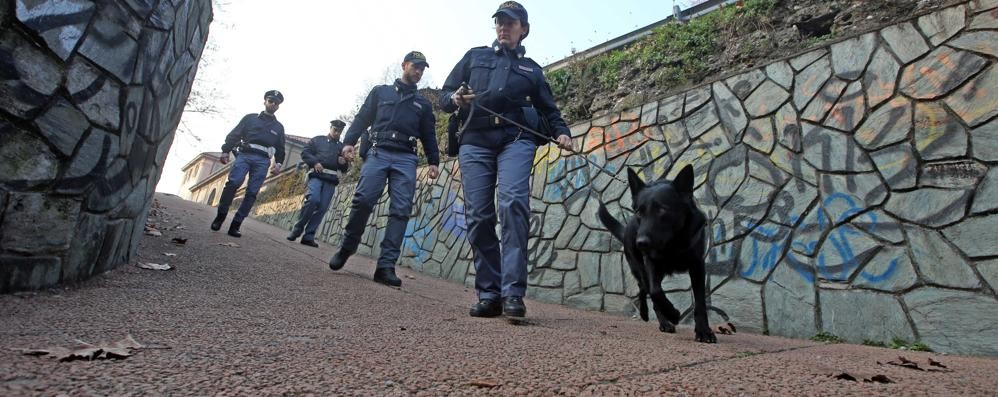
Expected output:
(706, 337)
(672, 315)
(667, 328)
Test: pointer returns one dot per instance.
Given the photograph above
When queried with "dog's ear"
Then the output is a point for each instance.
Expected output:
(684, 181)
(634, 181)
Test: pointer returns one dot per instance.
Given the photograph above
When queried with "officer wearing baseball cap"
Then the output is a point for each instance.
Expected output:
(493, 149)
(398, 117)
(256, 138)
(417, 58)
(324, 156)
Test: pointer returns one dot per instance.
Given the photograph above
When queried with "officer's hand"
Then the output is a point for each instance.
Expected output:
(318, 167)
(224, 159)
(434, 172)
(463, 100)
(565, 142)
(348, 152)
(276, 168)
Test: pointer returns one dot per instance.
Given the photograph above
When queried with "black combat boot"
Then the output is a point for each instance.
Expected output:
(386, 276)
(513, 306)
(486, 308)
(217, 223)
(234, 229)
(339, 259)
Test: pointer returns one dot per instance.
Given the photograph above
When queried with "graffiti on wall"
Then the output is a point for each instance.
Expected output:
(838, 174)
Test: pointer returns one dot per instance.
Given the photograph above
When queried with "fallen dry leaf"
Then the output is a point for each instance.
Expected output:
(488, 383)
(86, 351)
(169, 254)
(114, 352)
(179, 241)
(879, 379)
(153, 232)
(128, 343)
(906, 363)
(935, 363)
(229, 245)
(153, 266)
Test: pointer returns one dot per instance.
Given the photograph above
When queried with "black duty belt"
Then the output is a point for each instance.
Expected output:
(393, 136)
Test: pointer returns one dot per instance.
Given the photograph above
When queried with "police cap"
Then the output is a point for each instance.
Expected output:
(416, 57)
(513, 10)
(276, 95)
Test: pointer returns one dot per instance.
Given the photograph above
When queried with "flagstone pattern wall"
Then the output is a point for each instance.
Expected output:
(852, 189)
(90, 96)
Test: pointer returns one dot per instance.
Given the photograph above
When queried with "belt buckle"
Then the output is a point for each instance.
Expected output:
(495, 120)
(393, 136)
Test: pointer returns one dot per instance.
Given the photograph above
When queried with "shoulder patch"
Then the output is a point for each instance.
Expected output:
(525, 68)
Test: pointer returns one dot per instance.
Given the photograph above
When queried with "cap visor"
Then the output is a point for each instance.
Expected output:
(508, 13)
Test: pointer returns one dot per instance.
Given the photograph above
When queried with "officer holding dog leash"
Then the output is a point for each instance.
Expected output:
(398, 117)
(258, 137)
(497, 155)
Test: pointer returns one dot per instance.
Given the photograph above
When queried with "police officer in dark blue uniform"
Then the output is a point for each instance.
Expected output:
(257, 138)
(398, 117)
(497, 156)
(324, 156)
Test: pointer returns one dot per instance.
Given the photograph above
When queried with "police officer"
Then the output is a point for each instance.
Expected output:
(497, 155)
(257, 137)
(324, 156)
(397, 116)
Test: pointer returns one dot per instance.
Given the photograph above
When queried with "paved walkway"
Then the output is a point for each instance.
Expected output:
(268, 317)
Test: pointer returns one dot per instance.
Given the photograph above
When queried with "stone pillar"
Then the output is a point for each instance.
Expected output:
(91, 93)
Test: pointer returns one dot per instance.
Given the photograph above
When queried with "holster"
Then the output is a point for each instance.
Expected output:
(453, 135)
(365, 145)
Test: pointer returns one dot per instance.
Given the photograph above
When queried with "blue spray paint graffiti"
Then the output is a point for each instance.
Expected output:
(765, 260)
(453, 222)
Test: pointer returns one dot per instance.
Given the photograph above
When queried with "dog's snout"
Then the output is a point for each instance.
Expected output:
(643, 242)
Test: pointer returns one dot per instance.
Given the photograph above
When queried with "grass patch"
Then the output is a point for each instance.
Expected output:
(899, 344)
(826, 337)
(676, 53)
(902, 344)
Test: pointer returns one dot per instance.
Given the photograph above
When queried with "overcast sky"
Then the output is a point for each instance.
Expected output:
(325, 56)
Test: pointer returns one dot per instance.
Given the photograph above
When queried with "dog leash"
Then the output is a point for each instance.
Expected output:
(474, 105)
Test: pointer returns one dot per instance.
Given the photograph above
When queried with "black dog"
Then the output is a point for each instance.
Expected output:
(665, 236)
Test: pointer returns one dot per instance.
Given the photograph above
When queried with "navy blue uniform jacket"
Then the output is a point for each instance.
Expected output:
(323, 150)
(505, 82)
(397, 107)
(261, 129)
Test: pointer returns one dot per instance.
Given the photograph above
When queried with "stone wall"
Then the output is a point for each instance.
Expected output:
(90, 95)
(852, 189)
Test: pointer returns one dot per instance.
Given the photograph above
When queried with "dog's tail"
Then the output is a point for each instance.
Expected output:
(611, 223)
